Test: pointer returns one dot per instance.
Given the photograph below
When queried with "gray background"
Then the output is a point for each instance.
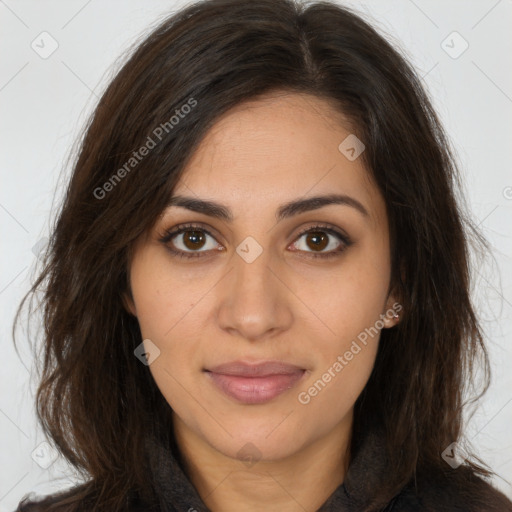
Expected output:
(45, 101)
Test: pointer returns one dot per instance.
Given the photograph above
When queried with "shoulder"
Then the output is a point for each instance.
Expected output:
(77, 499)
(62, 501)
(453, 490)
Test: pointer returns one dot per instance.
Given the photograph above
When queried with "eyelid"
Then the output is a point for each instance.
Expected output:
(188, 226)
(329, 228)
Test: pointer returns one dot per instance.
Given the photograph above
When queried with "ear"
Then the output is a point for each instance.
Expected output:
(392, 312)
(129, 303)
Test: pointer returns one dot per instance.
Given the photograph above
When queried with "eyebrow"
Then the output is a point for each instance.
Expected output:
(285, 211)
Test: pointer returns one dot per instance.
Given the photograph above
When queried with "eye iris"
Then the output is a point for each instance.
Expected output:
(319, 239)
(192, 238)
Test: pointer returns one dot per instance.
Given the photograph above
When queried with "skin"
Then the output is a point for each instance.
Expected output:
(284, 305)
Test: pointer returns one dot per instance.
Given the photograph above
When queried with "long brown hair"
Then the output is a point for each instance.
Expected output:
(95, 399)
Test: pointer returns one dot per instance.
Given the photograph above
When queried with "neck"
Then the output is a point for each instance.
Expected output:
(302, 481)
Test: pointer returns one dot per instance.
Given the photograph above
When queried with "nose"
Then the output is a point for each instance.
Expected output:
(254, 303)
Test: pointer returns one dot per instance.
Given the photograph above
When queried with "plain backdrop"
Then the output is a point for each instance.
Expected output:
(461, 49)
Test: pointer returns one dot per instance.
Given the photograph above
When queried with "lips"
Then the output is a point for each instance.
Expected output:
(250, 383)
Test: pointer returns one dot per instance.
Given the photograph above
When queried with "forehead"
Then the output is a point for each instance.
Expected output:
(275, 149)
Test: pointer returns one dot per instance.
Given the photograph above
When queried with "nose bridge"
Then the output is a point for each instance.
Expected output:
(254, 303)
(252, 274)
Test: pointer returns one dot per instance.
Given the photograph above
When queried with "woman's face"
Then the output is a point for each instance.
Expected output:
(256, 289)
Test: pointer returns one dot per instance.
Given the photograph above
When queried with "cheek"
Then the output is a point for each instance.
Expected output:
(168, 306)
(349, 298)
(166, 298)
(160, 304)
(330, 393)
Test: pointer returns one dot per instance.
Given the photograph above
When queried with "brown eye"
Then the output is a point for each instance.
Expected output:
(321, 242)
(317, 240)
(193, 240)
(189, 241)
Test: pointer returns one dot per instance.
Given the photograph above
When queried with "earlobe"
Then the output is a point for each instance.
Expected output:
(391, 316)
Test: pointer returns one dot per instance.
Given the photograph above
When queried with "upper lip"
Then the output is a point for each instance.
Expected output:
(263, 369)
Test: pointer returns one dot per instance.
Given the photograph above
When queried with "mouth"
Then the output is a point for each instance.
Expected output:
(254, 383)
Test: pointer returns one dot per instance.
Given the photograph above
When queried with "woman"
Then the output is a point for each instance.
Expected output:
(257, 290)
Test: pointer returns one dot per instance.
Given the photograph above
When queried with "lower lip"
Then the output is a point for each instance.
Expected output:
(255, 390)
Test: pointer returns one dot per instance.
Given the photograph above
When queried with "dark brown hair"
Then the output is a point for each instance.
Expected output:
(95, 399)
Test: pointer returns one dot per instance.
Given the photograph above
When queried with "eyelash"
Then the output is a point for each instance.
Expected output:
(171, 233)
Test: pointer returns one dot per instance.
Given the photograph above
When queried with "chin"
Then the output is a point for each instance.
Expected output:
(250, 451)
(268, 440)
